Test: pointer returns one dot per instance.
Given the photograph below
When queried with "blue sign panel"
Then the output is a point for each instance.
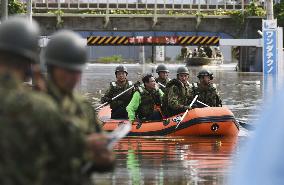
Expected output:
(270, 52)
(270, 65)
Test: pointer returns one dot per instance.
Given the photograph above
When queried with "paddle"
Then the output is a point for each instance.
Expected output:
(106, 103)
(121, 131)
(243, 124)
(183, 116)
(161, 85)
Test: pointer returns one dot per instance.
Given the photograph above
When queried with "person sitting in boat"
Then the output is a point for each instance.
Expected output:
(190, 53)
(146, 101)
(183, 52)
(162, 79)
(195, 52)
(178, 94)
(118, 106)
(206, 90)
(201, 52)
(208, 51)
(218, 53)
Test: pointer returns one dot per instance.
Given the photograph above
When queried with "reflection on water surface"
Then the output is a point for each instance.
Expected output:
(178, 161)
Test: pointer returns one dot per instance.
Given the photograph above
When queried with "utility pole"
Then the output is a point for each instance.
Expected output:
(142, 54)
(269, 10)
(4, 9)
(29, 9)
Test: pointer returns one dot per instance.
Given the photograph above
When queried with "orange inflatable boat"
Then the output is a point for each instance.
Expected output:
(208, 121)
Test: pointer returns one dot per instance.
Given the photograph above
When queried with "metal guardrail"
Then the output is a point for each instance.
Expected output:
(151, 6)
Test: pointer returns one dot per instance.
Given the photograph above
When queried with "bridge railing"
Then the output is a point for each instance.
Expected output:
(148, 6)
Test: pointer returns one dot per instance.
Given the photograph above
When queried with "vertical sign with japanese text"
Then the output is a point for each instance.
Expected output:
(269, 28)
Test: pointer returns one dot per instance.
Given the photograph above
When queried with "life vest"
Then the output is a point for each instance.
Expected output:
(163, 82)
(149, 100)
(184, 95)
(208, 96)
(124, 99)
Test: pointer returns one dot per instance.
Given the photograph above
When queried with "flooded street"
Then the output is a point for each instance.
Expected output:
(179, 160)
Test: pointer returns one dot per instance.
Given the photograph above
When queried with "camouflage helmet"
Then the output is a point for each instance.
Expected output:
(19, 36)
(182, 70)
(162, 68)
(205, 73)
(121, 68)
(66, 49)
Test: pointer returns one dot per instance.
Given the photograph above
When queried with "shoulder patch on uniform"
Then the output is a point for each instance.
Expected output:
(113, 84)
(214, 86)
(130, 83)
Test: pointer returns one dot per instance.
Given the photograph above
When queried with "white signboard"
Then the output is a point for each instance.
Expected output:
(160, 53)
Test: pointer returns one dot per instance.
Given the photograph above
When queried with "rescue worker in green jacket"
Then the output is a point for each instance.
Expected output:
(65, 56)
(163, 78)
(178, 95)
(206, 90)
(146, 101)
(118, 106)
(37, 146)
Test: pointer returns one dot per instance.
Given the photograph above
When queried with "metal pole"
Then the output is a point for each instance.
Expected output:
(29, 10)
(142, 54)
(153, 54)
(243, 6)
(269, 10)
(4, 10)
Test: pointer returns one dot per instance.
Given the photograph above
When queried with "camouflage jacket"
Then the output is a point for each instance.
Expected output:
(36, 146)
(143, 103)
(177, 98)
(209, 95)
(115, 89)
(148, 101)
(75, 109)
(163, 82)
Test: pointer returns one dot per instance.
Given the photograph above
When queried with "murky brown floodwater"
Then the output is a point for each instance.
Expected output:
(182, 160)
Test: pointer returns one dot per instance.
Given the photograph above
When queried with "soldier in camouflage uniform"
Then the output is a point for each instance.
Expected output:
(146, 101)
(162, 79)
(65, 56)
(118, 106)
(37, 146)
(178, 95)
(206, 91)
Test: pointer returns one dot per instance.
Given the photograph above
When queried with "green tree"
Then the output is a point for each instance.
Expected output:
(16, 7)
(279, 13)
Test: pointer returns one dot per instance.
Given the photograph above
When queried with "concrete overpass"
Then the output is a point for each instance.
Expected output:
(153, 16)
(145, 15)
(214, 24)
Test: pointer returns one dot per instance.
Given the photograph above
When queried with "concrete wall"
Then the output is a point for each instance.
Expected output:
(189, 24)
